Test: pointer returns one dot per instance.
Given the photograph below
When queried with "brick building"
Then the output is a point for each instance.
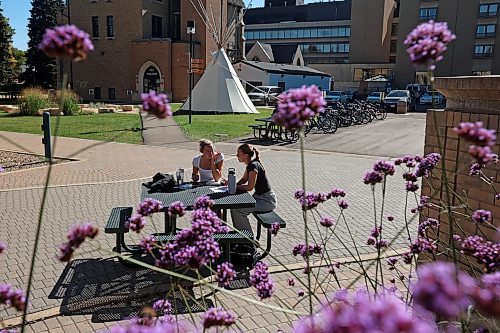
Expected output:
(144, 45)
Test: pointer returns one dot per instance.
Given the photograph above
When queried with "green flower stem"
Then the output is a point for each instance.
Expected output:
(304, 214)
(42, 207)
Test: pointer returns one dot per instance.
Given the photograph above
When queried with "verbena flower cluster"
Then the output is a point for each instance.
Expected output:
(147, 207)
(12, 297)
(156, 104)
(482, 140)
(3, 247)
(225, 274)
(137, 326)
(310, 200)
(275, 227)
(361, 314)
(261, 281)
(306, 250)
(2, 169)
(177, 208)
(296, 106)
(66, 41)
(427, 43)
(76, 237)
(481, 216)
(194, 247)
(218, 317)
(426, 224)
(417, 167)
(486, 253)
(163, 306)
(381, 169)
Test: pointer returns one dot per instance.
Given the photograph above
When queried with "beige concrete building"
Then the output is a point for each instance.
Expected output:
(144, 45)
(352, 40)
(472, 53)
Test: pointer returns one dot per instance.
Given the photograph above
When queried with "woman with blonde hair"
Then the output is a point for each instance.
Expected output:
(207, 167)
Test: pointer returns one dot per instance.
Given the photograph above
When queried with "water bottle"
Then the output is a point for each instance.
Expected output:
(231, 181)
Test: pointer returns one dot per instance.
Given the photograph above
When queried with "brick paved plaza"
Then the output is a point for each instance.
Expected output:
(94, 291)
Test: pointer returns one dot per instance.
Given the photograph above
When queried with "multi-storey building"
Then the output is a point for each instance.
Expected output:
(473, 52)
(144, 45)
(352, 40)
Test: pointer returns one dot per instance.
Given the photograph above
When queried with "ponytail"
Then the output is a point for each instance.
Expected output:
(250, 151)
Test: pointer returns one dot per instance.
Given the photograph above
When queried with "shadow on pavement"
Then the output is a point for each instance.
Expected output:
(109, 291)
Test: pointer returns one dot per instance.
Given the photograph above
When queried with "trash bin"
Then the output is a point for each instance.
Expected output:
(402, 107)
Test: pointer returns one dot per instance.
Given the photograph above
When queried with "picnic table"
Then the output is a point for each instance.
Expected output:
(117, 222)
(269, 130)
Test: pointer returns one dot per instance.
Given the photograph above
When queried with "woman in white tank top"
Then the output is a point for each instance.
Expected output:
(207, 167)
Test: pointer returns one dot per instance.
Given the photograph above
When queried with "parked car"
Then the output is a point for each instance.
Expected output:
(430, 95)
(335, 97)
(417, 90)
(351, 95)
(376, 96)
(392, 99)
(264, 95)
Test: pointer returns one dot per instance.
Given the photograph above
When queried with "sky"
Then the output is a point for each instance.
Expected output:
(18, 11)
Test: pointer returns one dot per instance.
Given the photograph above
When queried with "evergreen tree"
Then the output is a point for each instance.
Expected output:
(43, 16)
(6, 33)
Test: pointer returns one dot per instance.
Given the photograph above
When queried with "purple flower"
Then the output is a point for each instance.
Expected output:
(337, 192)
(156, 104)
(427, 43)
(475, 169)
(304, 250)
(443, 289)
(149, 206)
(390, 218)
(300, 293)
(149, 243)
(375, 231)
(2, 169)
(483, 155)
(485, 252)
(384, 167)
(217, 317)
(481, 216)
(163, 306)
(3, 247)
(76, 237)
(9, 330)
(381, 244)
(203, 202)
(457, 238)
(373, 177)
(66, 41)
(427, 164)
(136, 222)
(475, 133)
(12, 297)
(327, 221)
(424, 225)
(411, 187)
(420, 245)
(343, 204)
(291, 282)
(371, 240)
(363, 314)
(177, 208)
(410, 177)
(275, 227)
(487, 298)
(296, 106)
(424, 203)
(497, 196)
(225, 274)
(391, 262)
(261, 281)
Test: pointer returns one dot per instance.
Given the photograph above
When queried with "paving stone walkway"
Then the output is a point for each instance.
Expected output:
(105, 175)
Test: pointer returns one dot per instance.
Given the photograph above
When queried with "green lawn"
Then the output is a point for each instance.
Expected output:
(206, 126)
(111, 127)
(118, 127)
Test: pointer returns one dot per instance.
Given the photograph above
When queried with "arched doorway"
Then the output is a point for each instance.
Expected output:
(151, 80)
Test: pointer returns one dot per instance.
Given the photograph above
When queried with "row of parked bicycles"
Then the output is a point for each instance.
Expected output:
(335, 115)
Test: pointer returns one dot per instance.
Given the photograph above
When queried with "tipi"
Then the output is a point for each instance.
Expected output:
(219, 88)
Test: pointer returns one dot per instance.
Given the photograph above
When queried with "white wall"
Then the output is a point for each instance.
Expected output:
(249, 73)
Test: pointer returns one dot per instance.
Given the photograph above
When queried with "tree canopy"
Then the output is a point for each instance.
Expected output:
(6, 33)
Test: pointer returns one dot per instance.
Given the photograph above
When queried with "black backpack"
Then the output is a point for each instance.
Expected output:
(161, 183)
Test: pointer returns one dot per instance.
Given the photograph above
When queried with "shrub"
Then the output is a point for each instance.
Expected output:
(33, 99)
(70, 102)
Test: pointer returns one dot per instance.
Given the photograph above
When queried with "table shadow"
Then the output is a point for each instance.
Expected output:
(110, 291)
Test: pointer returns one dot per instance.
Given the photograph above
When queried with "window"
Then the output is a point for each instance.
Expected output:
(485, 30)
(483, 51)
(157, 26)
(428, 13)
(393, 46)
(110, 27)
(111, 93)
(488, 9)
(97, 92)
(361, 74)
(394, 29)
(95, 26)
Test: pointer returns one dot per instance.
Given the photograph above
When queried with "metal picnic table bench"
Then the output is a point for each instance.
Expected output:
(269, 130)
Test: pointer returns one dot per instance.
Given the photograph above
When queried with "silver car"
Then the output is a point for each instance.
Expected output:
(264, 95)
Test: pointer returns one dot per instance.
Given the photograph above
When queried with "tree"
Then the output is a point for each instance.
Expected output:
(6, 33)
(18, 58)
(43, 16)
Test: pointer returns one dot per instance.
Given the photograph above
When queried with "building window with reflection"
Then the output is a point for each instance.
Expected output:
(488, 9)
(428, 13)
(485, 30)
(110, 27)
(483, 51)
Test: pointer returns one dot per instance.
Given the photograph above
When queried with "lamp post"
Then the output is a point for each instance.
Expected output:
(190, 30)
(34, 75)
(68, 16)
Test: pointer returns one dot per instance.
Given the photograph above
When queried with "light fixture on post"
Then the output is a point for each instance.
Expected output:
(190, 31)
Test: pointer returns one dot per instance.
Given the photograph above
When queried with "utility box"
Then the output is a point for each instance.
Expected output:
(402, 107)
